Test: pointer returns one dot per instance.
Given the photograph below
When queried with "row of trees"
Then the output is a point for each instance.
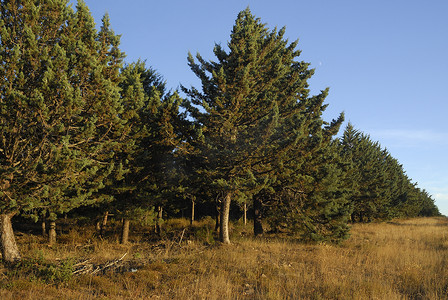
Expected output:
(79, 129)
(368, 183)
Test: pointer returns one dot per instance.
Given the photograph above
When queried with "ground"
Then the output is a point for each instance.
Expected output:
(401, 259)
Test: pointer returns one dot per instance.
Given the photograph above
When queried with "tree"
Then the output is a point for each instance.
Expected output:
(428, 207)
(122, 186)
(304, 151)
(368, 174)
(111, 130)
(250, 97)
(59, 110)
(380, 188)
(310, 197)
(147, 150)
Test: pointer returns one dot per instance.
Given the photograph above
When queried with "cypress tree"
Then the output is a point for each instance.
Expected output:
(58, 110)
(380, 188)
(103, 93)
(251, 97)
(147, 151)
(428, 207)
(362, 153)
(309, 195)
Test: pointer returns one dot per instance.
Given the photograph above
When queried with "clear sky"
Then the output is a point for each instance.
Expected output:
(385, 61)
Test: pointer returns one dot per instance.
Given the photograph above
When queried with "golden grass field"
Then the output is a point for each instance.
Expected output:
(401, 259)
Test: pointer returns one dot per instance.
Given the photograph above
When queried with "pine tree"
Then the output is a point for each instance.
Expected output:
(251, 97)
(106, 104)
(428, 207)
(122, 186)
(58, 110)
(147, 151)
(309, 195)
(380, 188)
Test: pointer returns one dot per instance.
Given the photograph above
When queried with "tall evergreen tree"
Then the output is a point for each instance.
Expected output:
(306, 149)
(380, 188)
(428, 208)
(110, 129)
(147, 151)
(367, 173)
(58, 110)
(250, 97)
(310, 197)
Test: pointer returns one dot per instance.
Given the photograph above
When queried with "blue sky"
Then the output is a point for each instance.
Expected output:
(385, 61)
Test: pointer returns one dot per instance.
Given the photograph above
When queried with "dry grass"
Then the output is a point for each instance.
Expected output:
(395, 260)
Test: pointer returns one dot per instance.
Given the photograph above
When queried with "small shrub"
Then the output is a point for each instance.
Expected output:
(37, 269)
(204, 235)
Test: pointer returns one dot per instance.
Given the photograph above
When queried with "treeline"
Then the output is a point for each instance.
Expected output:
(83, 132)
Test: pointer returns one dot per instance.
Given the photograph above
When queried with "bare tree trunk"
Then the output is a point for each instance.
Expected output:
(258, 226)
(217, 220)
(225, 210)
(103, 224)
(44, 226)
(10, 251)
(192, 212)
(218, 213)
(159, 220)
(245, 213)
(52, 233)
(125, 232)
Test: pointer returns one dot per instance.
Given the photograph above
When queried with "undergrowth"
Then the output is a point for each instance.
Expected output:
(404, 259)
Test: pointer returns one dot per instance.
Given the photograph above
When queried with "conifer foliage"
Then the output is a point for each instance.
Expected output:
(253, 111)
(146, 155)
(80, 129)
(379, 187)
(59, 107)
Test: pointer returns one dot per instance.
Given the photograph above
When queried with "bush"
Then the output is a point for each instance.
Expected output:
(204, 235)
(39, 269)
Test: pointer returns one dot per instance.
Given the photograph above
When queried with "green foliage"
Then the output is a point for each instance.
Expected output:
(204, 235)
(238, 115)
(146, 151)
(41, 270)
(256, 118)
(313, 202)
(80, 129)
(380, 188)
(59, 106)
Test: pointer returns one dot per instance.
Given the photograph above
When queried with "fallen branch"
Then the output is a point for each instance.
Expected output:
(85, 267)
(108, 265)
(182, 236)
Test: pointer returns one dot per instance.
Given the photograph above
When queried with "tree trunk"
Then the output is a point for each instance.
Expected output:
(159, 220)
(103, 224)
(44, 227)
(217, 219)
(192, 212)
(125, 232)
(245, 213)
(225, 210)
(258, 226)
(52, 233)
(10, 251)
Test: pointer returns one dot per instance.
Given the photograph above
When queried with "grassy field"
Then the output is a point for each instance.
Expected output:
(403, 259)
